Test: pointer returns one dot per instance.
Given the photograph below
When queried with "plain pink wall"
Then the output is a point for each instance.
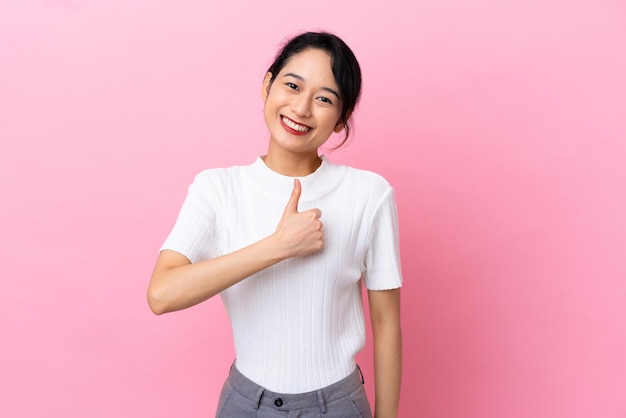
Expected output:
(501, 124)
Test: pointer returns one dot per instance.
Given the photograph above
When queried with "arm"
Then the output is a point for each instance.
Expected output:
(385, 317)
(178, 284)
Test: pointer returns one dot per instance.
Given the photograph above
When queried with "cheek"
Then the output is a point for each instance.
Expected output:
(335, 120)
(270, 105)
(267, 112)
(274, 99)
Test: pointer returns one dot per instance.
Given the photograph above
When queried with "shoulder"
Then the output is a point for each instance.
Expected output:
(214, 184)
(368, 181)
(216, 177)
(213, 174)
(367, 175)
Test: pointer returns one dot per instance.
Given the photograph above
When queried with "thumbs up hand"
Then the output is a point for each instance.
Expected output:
(299, 233)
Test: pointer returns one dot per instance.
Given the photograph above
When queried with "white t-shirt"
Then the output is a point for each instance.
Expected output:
(298, 324)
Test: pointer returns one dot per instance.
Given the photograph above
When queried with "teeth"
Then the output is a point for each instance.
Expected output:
(295, 126)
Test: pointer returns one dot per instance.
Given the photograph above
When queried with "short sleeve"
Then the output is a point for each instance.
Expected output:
(195, 232)
(382, 268)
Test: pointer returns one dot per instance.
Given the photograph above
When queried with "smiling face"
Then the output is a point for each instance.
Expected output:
(302, 104)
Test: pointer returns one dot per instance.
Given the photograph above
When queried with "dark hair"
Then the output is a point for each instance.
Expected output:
(344, 65)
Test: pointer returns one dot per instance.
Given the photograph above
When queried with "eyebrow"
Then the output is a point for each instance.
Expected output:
(298, 77)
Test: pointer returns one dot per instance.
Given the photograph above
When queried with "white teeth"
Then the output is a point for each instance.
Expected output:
(295, 126)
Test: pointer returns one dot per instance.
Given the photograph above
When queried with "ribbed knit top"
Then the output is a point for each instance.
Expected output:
(298, 324)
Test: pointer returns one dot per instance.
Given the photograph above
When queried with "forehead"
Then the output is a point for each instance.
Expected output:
(313, 65)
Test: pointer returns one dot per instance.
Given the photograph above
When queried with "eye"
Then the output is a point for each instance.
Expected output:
(325, 100)
(291, 86)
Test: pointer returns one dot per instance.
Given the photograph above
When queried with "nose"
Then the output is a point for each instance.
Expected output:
(301, 105)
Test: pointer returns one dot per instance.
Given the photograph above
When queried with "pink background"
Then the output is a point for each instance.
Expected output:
(501, 124)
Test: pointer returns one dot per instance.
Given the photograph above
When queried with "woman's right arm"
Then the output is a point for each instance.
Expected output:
(177, 284)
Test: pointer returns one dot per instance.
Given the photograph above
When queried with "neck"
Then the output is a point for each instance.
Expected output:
(292, 165)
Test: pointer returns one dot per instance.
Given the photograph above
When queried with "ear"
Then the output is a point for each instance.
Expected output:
(340, 125)
(267, 82)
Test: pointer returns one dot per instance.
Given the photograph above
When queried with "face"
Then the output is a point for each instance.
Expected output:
(302, 103)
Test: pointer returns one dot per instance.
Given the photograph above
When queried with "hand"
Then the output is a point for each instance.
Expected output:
(299, 233)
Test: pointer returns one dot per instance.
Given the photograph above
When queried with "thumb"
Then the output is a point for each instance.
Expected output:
(292, 205)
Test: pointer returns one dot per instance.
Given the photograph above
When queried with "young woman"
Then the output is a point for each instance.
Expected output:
(287, 242)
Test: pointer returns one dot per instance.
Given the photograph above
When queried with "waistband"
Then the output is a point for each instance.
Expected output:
(287, 401)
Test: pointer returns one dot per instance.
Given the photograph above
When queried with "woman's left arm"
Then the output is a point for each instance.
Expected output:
(385, 317)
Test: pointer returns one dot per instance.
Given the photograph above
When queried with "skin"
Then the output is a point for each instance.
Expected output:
(304, 92)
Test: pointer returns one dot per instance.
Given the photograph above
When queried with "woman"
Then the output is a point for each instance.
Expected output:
(286, 241)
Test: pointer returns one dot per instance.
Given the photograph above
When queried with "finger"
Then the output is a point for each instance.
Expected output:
(292, 205)
(317, 212)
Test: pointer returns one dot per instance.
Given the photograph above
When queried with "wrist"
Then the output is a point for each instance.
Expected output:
(273, 249)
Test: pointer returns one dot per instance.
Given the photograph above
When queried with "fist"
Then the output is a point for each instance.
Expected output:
(299, 233)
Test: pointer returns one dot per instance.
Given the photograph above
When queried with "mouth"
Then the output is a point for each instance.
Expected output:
(293, 127)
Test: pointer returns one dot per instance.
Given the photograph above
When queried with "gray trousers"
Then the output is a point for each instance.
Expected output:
(242, 398)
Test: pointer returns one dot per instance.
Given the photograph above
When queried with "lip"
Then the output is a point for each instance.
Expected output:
(291, 130)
